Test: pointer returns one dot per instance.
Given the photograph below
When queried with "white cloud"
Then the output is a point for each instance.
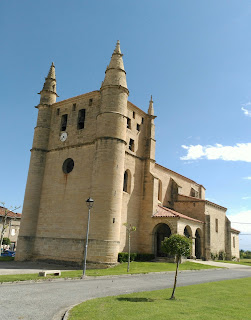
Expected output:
(245, 198)
(246, 104)
(247, 178)
(239, 152)
(246, 112)
(241, 221)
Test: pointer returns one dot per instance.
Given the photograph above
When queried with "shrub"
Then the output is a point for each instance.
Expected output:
(6, 241)
(123, 257)
(222, 255)
(214, 256)
(144, 257)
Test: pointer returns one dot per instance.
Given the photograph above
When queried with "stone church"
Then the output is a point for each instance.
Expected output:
(101, 145)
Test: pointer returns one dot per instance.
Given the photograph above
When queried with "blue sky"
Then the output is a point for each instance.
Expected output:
(192, 56)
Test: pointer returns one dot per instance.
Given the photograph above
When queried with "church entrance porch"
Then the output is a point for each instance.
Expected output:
(162, 231)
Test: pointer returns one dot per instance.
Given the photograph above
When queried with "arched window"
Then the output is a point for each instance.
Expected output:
(188, 232)
(160, 191)
(127, 181)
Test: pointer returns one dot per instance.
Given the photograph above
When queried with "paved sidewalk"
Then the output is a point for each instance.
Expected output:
(223, 264)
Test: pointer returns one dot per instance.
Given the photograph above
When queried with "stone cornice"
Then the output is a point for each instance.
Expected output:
(76, 98)
(114, 112)
(114, 86)
(38, 149)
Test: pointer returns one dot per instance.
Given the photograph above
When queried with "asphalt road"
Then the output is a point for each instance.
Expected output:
(50, 299)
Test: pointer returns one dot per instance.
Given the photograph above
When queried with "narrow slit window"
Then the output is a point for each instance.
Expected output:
(128, 123)
(125, 185)
(131, 145)
(138, 127)
(127, 181)
(81, 119)
(160, 191)
(64, 122)
(133, 115)
(58, 111)
(90, 102)
(142, 121)
(216, 225)
(74, 107)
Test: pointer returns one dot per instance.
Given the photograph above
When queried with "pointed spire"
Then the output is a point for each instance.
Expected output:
(150, 109)
(115, 74)
(117, 49)
(51, 73)
(49, 92)
(50, 80)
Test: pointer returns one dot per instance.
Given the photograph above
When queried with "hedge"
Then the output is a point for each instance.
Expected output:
(123, 256)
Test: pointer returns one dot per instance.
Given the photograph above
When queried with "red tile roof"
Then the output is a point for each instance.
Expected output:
(10, 214)
(235, 230)
(169, 213)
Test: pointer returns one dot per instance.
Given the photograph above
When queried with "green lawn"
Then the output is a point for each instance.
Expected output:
(135, 267)
(6, 259)
(224, 300)
(242, 261)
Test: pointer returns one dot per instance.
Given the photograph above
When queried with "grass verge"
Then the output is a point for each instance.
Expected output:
(246, 262)
(135, 267)
(225, 300)
(6, 259)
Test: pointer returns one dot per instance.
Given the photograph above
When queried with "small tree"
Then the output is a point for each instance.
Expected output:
(129, 229)
(178, 246)
(6, 241)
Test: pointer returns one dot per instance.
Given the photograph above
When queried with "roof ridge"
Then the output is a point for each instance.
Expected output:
(176, 214)
(180, 175)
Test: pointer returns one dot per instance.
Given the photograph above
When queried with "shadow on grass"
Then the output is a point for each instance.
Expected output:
(135, 299)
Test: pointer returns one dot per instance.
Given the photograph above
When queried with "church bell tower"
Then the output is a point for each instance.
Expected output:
(108, 170)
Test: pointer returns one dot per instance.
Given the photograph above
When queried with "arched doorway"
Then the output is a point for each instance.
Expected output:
(162, 231)
(198, 244)
(188, 233)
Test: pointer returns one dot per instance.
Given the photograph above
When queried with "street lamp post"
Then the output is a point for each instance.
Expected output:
(89, 203)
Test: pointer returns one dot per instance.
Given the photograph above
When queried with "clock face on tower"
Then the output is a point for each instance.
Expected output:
(63, 136)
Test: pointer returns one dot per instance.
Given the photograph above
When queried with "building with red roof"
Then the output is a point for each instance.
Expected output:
(11, 225)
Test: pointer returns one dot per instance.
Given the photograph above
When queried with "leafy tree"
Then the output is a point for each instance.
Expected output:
(129, 229)
(178, 246)
(6, 241)
(245, 254)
